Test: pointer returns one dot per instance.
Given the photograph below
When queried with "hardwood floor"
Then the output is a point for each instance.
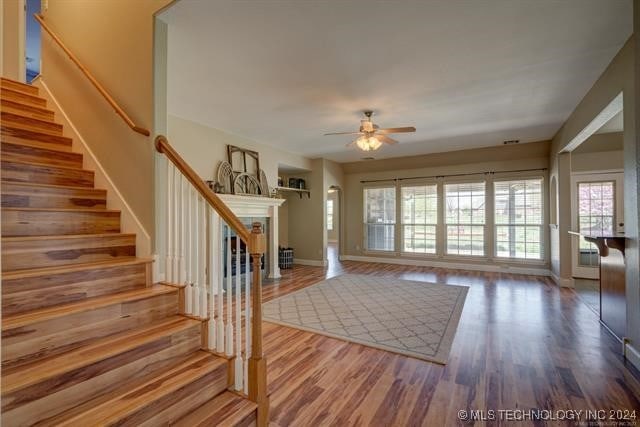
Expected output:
(522, 343)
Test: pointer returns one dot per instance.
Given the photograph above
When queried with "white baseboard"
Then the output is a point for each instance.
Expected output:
(129, 221)
(566, 282)
(312, 262)
(453, 265)
(632, 354)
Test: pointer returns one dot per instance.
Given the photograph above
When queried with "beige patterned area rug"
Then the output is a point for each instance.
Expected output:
(417, 319)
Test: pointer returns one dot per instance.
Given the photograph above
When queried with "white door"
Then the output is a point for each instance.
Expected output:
(597, 208)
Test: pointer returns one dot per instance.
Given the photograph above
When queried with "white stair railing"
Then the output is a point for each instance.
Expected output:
(221, 283)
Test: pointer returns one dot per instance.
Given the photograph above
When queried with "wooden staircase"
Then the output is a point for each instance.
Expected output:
(87, 339)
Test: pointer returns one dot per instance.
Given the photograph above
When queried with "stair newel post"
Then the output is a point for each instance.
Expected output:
(257, 363)
(203, 260)
(238, 309)
(189, 251)
(229, 332)
(169, 248)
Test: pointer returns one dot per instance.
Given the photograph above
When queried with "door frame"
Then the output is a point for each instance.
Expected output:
(617, 177)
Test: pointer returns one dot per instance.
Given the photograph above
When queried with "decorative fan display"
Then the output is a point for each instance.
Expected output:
(370, 136)
(246, 184)
(225, 177)
(264, 185)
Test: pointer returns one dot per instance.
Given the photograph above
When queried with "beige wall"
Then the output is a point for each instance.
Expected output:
(502, 158)
(204, 148)
(114, 40)
(618, 77)
(10, 10)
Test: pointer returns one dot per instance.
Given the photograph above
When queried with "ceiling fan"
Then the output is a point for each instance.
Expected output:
(371, 136)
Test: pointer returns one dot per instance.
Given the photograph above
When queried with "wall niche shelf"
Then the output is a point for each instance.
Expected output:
(295, 190)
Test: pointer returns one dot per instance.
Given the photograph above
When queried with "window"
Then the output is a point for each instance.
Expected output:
(419, 218)
(518, 218)
(465, 216)
(596, 205)
(380, 218)
(329, 215)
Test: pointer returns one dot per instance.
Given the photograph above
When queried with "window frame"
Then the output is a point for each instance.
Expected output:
(437, 224)
(485, 254)
(365, 224)
(330, 213)
(543, 221)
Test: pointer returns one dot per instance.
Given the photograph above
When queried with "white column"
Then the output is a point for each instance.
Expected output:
(274, 268)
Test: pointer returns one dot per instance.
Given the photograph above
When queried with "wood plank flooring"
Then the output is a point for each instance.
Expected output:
(522, 343)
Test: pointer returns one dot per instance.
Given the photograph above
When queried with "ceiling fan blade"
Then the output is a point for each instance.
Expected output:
(396, 130)
(386, 139)
(343, 133)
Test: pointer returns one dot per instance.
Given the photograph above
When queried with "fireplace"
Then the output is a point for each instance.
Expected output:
(252, 209)
(248, 222)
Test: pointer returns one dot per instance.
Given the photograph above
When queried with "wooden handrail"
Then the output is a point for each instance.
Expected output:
(163, 146)
(92, 79)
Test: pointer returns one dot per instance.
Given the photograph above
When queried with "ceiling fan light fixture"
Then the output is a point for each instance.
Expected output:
(370, 143)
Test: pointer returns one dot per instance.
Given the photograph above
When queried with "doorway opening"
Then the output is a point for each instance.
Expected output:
(33, 41)
(597, 203)
(333, 220)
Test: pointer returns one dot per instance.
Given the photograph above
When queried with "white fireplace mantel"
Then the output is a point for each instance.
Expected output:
(259, 207)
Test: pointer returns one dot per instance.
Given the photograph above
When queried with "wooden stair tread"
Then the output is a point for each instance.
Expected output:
(26, 87)
(51, 186)
(8, 129)
(52, 148)
(88, 210)
(226, 409)
(126, 400)
(16, 104)
(11, 93)
(27, 122)
(23, 319)
(29, 374)
(62, 236)
(44, 165)
(45, 271)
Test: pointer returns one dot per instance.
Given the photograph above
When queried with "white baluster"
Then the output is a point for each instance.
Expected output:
(229, 349)
(169, 261)
(189, 250)
(214, 238)
(203, 259)
(247, 320)
(239, 362)
(182, 277)
(220, 262)
(175, 269)
(196, 257)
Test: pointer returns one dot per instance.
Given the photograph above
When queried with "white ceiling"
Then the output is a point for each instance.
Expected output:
(465, 73)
